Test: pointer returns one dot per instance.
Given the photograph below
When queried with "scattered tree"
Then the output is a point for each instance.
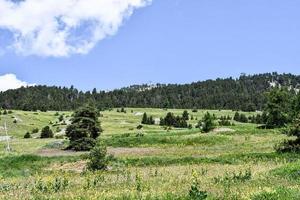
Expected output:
(207, 123)
(46, 132)
(185, 115)
(27, 135)
(98, 159)
(175, 121)
(84, 129)
(147, 120)
(277, 108)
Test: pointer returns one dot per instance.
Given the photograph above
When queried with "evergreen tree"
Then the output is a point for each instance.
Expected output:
(97, 159)
(84, 129)
(185, 115)
(46, 132)
(151, 120)
(277, 108)
(207, 123)
(237, 116)
(61, 118)
(145, 118)
(292, 145)
(27, 135)
(243, 118)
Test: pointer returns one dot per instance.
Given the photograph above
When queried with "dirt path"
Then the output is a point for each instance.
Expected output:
(57, 152)
(114, 151)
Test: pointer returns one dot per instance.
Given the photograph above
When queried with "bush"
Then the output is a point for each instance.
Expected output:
(27, 135)
(291, 145)
(35, 130)
(61, 118)
(139, 127)
(225, 122)
(207, 123)
(98, 159)
(47, 132)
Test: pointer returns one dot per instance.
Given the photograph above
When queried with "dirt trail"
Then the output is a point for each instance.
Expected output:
(114, 151)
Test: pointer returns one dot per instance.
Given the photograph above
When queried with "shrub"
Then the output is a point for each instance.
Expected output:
(97, 159)
(225, 122)
(46, 132)
(61, 118)
(288, 146)
(207, 123)
(291, 145)
(139, 127)
(185, 115)
(27, 135)
(35, 130)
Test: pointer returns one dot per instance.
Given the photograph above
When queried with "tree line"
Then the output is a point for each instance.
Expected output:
(245, 93)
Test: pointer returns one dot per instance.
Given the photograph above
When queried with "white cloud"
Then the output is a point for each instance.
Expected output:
(10, 81)
(63, 27)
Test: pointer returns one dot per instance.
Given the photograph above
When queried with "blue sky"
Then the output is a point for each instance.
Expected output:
(175, 41)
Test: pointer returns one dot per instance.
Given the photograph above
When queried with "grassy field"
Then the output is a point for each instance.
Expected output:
(235, 163)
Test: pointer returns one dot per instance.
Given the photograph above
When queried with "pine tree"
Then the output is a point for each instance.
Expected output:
(185, 115)
(277, 108)
(46, 132)
(237, 116)
(145, 118)
(207, 123)
(27, 135)
(84, 129)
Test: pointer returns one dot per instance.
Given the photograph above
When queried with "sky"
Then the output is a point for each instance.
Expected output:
(109, 44)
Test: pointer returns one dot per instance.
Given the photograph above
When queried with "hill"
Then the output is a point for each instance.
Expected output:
(244, 93)
(231, 162)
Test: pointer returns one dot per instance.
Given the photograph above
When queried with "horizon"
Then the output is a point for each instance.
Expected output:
(146, 41)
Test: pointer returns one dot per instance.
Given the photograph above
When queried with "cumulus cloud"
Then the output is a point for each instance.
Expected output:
(10, 81)
(60, 28)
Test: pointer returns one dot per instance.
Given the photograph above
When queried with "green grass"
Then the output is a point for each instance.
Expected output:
(27, 165)
(278, 194)
(158, 165)
(156, 140)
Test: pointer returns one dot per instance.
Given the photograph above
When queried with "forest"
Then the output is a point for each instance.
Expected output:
(246, 93)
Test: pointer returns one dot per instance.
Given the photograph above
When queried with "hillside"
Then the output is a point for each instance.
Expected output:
(244, 93)
(233, 162)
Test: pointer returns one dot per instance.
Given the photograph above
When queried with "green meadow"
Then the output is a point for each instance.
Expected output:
(235, 162)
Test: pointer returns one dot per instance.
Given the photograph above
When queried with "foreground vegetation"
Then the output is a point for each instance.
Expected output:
(230, 162)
